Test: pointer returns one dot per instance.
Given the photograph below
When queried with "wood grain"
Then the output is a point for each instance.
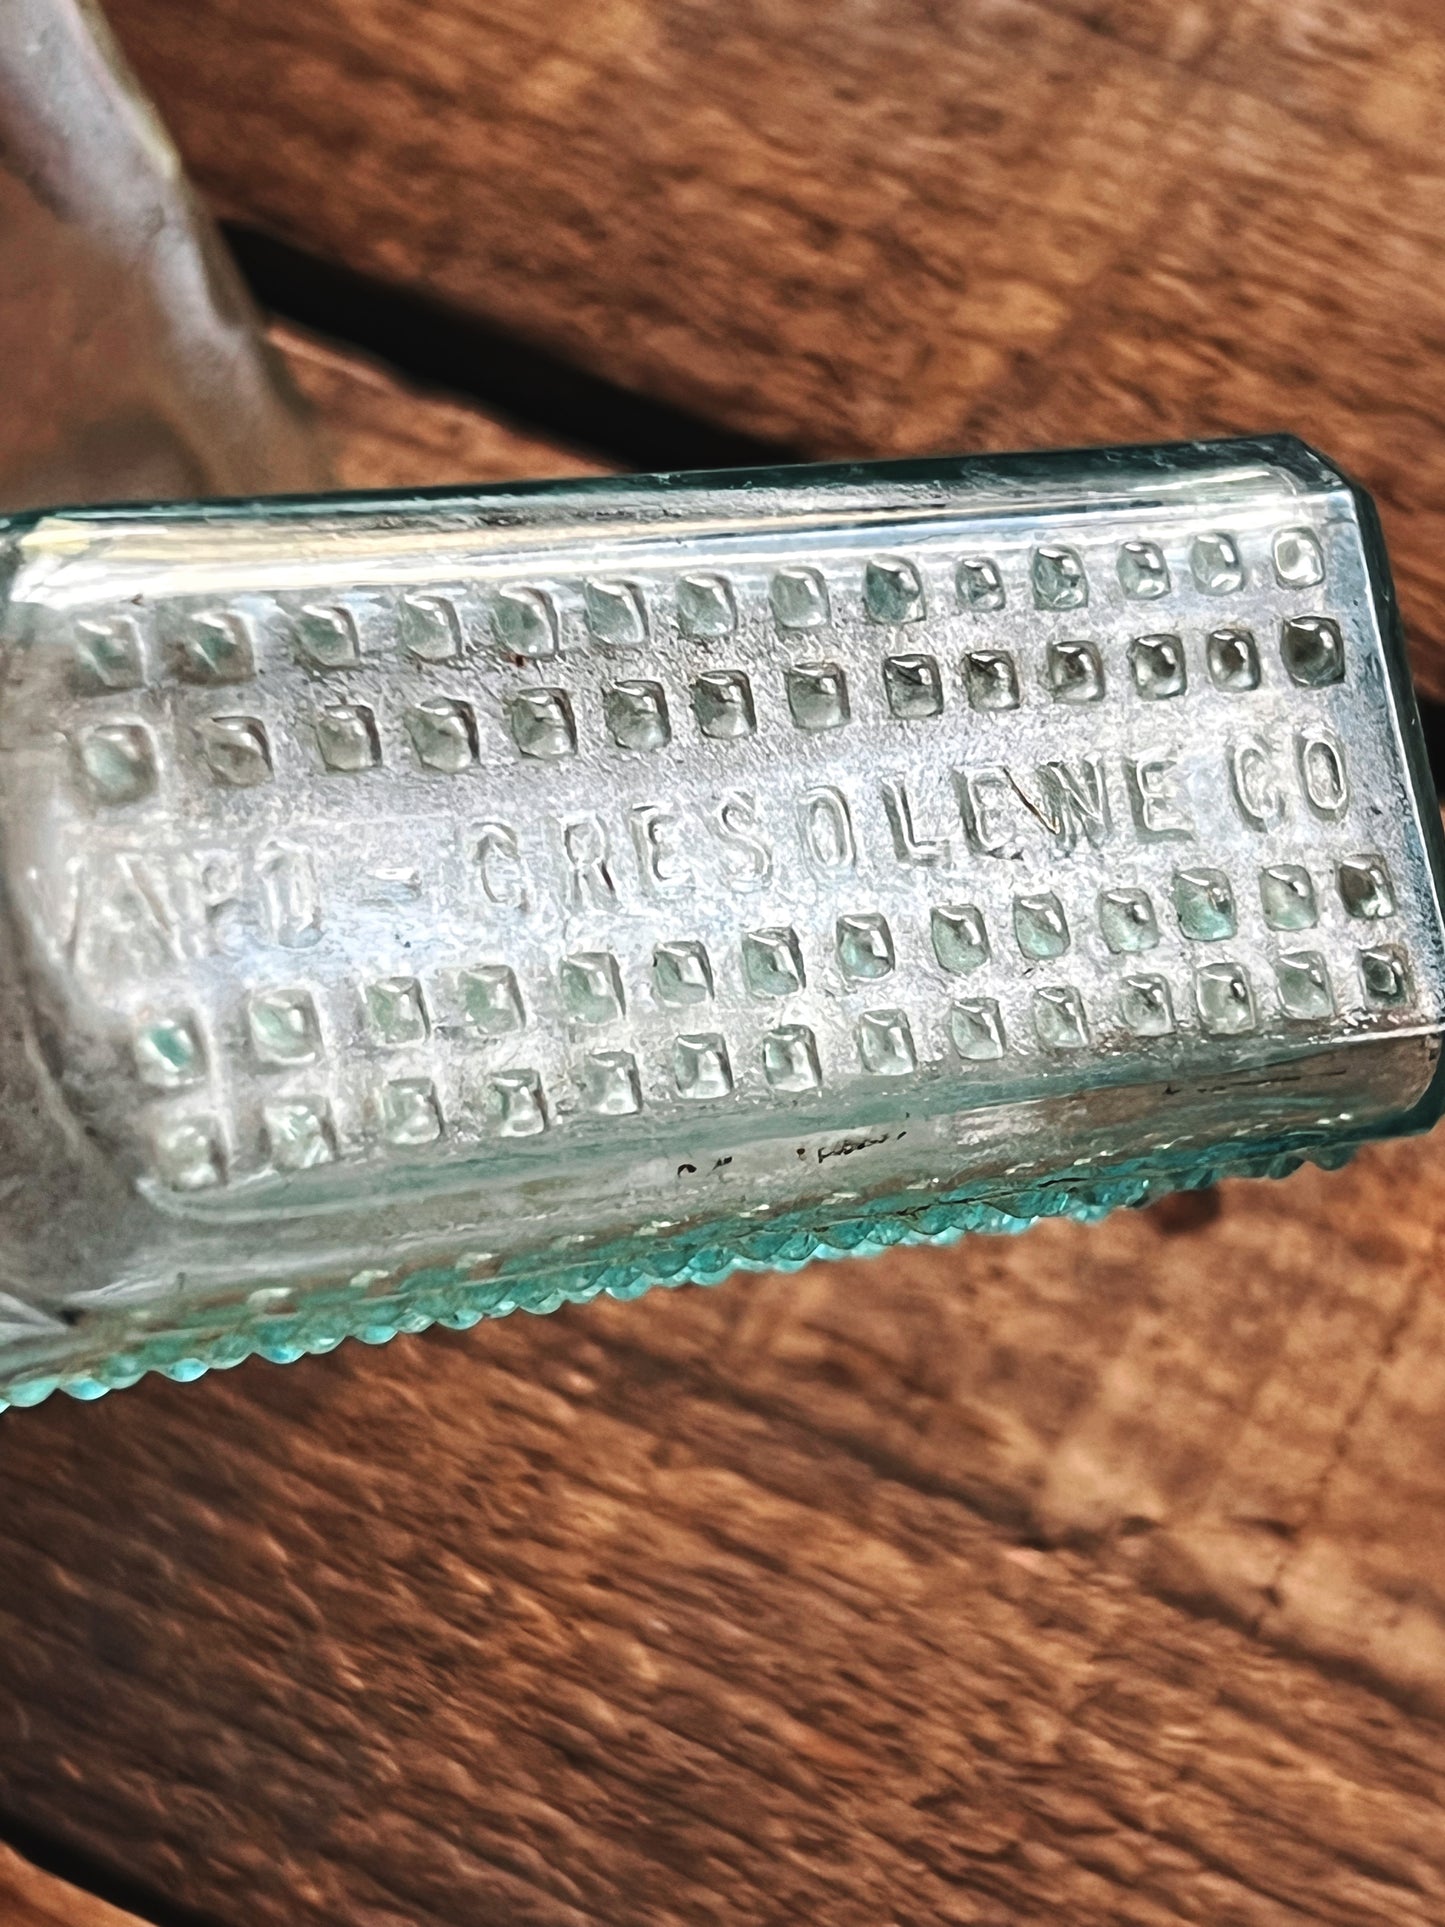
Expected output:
(30, 1898)
(903, 225)
(1092, 1576)
(380, 432)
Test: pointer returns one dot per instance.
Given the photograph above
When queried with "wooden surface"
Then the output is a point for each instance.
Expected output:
(30, 1898)
(380, 433)
(885, 226)
(1094, 1576)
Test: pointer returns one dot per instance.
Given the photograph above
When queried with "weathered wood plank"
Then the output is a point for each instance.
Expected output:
(904, 226)
(30, 1898)
(381, 433)
(1089, 1576)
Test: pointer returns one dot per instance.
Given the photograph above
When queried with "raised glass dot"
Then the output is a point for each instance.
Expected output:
(1233, 659)
(396, 1012)
(1126, 920)
(960, 939)
(490, 999)
(681, 973)
(189, 1155)
(772, 963)
(592, 987)
(976, 1028)
(1143, 572)
(885, 1044)
(326, 636)
(283, 1028)
(914, 686)
(1385, 975)
(1365, 887)
(610, 1084)
(1146, 1006)
(790, 1058)
(347, 739)
(1059, 1022)
(706, 607)
(116, 762)
(1304, 985)
(1214, 560)
(518, 1105)
(799, 598)
(1158, 666)
(722, 701)
(235, 750)
(865, 946)
(543, 726)
(524, 622)
(108, 654)
(1075, 673)
(1224, 999)
(429, 627)
(216, 647)
(637, 715)
(443, 734)
(1204, 904)
(991, 678)
(410, 1113)
(817, 695)
(1313, 651)
(299, 1134)
(892, 591)
(168, 1053)
(1058, 579)
(1298, 563)
(1288, 897)
(1040, 925)
(616, 614)
(980, 586)
(700, 1067)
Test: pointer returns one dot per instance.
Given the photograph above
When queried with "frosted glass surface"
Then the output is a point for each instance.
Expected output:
(429, 907)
